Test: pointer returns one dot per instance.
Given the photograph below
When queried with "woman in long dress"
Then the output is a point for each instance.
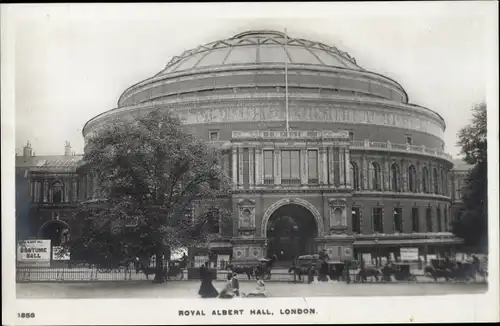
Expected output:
(207, 290)
(227, 292)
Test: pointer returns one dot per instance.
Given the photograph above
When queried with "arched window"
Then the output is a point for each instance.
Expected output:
(435, 180)
(354, 171)
(412, 176)
(374, 176)
(57, 191)
(425, 179)
(395, 177)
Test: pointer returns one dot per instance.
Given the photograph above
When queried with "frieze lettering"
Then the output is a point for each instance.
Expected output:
(246, 112)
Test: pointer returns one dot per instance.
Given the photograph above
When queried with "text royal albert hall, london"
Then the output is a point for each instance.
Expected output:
(360, 171)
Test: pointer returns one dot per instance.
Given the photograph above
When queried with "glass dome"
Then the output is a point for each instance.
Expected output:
(256, 47)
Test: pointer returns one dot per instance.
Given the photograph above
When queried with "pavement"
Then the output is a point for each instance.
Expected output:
(189, 289)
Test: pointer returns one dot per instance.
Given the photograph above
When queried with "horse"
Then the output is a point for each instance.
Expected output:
(299, 271)
(264, 272)
(248, 270)
(366, 272)
(437, 273)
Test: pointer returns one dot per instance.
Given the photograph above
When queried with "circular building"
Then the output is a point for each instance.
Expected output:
(323, 154)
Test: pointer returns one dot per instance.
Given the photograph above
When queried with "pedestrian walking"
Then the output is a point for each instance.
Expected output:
(323, 272)
(347, 276)
(207, 290)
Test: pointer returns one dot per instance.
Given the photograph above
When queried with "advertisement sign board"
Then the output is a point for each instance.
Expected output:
(409, 253)
(33, 253)
(59, 254)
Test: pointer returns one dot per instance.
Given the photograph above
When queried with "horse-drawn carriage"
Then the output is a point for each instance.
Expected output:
(400, 270)
(323, 266)
(252, 268)
(453, 270)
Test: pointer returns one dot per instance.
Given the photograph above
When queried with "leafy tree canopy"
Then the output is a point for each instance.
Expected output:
(473, 224)
(159, 188)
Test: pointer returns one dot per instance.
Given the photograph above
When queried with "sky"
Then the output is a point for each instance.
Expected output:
(72, 62)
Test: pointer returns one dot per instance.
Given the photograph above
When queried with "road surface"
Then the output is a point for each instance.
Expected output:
(189, 289)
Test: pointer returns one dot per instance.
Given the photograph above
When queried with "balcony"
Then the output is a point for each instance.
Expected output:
(388, 146)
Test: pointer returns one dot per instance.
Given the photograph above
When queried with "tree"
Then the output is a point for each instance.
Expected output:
(159, 187)
(473, 224)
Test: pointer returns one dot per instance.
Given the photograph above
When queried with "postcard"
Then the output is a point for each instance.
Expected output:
(249, 163)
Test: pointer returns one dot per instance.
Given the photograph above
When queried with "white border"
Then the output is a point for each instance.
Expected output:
(330, 310)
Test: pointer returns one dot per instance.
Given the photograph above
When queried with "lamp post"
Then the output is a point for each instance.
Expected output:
(376, 252)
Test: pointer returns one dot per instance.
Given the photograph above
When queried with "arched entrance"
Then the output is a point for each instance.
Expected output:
(290, 232)
(55, 230)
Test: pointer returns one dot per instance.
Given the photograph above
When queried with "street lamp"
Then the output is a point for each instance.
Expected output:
(376, 252)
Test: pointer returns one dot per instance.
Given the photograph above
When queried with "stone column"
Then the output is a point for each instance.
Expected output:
(322, 166)
(342, 167)
(32, 190)
(331, 166)
(387, 175)
(251, 161)
(45, 190)
(258, 167)
(364, 171)
(75, 193)
(277, 167)
(347, 160)
(66, 190)
(35, 187)
(431, 178)
(418, 177)
(240, 167)
(303, 167)
(38, 191)
(235, 166)
(403, 176)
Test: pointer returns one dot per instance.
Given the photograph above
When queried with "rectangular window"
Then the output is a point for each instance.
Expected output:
(414, 219)
(290, 167)
(213, 136)
(355, 220)
(351, 135)
(268, 167)
(398, 220)
(312, 166)
(213, 221)
(377, 219)
(438, 216)
(409, 140)
(428, 219)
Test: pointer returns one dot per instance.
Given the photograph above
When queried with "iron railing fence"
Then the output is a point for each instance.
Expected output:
(87, 274)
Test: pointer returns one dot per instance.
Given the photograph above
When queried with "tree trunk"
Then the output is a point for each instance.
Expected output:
(159, 273)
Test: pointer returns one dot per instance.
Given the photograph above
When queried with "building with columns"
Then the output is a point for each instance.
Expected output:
(46, 194)
(360, 170)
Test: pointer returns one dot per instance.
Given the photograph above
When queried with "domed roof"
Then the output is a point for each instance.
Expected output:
(256, 47)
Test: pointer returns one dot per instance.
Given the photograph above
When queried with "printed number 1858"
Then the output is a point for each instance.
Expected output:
(26, 315)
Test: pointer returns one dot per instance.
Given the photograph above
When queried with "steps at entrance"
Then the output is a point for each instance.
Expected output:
(282, 264)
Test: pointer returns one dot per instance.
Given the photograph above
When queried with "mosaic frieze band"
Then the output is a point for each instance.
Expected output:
(273, 111)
